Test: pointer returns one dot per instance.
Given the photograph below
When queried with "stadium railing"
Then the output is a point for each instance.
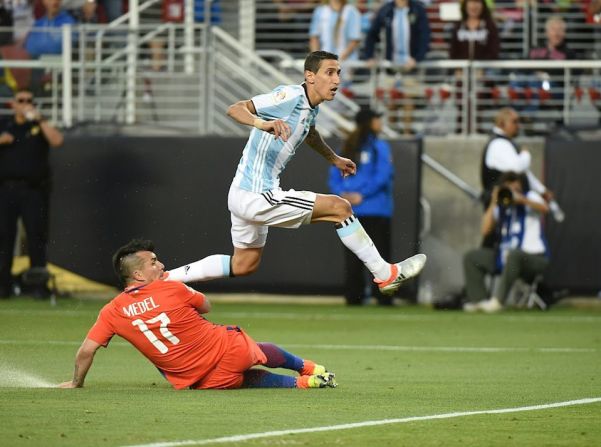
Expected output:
(107, 73)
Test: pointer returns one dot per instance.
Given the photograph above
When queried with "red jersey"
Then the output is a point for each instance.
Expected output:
(160, 319)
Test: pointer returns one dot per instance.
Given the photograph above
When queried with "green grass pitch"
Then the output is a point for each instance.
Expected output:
(390, 364)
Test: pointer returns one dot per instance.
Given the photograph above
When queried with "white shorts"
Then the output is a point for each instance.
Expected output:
(252, 213)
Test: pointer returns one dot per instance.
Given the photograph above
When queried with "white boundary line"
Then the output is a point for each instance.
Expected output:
(271, 434)
(398, 348)
(329, 316)
(438, 348)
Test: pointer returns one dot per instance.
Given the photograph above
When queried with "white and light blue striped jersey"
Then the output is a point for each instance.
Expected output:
(264, 157)
(323, 26)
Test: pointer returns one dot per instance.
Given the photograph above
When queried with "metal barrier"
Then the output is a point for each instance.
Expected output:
(182, 76)
(446, 97)
(156, 75)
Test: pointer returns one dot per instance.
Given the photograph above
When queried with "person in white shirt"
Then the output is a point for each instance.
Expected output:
(502, 154)
(336, 28)
(514, 218)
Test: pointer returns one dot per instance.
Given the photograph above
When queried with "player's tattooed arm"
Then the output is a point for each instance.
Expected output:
(77, 378)
(83, 362)
(316, 142)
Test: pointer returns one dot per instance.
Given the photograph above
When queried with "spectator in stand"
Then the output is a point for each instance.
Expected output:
(407, 40)
(556, 47)
(407, 33)
(369, 192)
(541, 86)
(475, 37)
(336, 28)
(46, 36)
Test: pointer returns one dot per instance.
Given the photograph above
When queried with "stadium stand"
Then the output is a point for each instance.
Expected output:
(107, 74)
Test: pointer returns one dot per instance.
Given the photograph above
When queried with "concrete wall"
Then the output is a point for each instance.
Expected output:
(110, 189)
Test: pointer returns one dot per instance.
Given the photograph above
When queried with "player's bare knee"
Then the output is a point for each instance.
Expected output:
(342, 208)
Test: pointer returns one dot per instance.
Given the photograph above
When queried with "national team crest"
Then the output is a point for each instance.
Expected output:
(280, 95)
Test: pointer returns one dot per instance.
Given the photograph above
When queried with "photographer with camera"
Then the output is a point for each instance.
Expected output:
(25, 139)
(513, 221)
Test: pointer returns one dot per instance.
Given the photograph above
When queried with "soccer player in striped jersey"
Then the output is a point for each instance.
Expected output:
(281, 121)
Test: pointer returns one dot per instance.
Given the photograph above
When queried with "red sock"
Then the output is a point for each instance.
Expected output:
(308, 368)
(302, 382)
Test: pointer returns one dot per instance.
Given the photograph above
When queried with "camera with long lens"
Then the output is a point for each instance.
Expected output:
(505, 197)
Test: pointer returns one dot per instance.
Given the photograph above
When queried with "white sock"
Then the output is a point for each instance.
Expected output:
(355, 238)
(211, 267)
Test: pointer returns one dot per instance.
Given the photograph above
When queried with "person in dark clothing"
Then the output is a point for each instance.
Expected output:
(475, 37)
(369, 192)
(406, 43)
(25, 140)
(394, 16)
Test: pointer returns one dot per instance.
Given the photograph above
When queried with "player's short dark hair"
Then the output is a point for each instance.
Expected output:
(124, 259)
(313, 60)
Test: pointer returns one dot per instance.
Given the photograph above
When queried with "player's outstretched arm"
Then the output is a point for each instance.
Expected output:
(244, 112)
(83, 362)
(205, 308)
(316, 142)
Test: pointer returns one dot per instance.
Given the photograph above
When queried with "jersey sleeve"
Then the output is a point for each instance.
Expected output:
(189, 295)
(278, 104)
(102, 332)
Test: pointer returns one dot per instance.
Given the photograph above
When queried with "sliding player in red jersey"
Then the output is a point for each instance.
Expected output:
(164, 321)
